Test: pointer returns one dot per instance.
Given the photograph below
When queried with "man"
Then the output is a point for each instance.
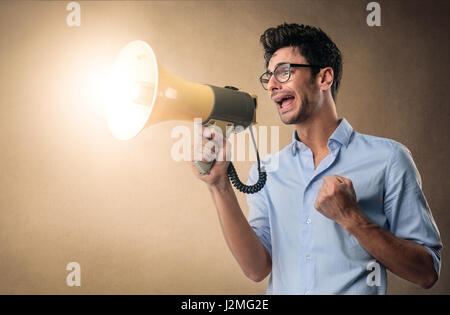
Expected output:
(342, 206)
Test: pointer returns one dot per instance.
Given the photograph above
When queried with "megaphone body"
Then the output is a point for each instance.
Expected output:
(143, 93)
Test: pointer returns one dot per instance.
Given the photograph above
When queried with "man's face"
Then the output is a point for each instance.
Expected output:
(295, 98)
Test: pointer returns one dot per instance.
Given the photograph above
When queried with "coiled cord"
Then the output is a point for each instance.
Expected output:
(234, 178)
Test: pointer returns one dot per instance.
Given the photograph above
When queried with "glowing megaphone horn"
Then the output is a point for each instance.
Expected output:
(143, 93)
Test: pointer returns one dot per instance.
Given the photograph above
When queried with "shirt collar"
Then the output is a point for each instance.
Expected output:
(342, 135)
(343, 132)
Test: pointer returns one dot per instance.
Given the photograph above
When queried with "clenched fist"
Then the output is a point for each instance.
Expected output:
(214, 148)
(336, 199)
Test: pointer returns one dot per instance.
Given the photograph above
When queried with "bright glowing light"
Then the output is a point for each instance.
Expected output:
(127, 110)
(95, 90)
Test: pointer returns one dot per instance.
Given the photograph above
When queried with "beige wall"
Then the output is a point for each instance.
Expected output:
(138, 222)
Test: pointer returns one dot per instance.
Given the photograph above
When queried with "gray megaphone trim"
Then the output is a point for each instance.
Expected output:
(232, 106)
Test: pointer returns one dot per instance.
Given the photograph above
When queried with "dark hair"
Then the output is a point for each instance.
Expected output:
(313, 43)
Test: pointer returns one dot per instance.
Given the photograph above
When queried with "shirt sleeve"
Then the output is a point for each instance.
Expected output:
(405, 205)
(258, 211)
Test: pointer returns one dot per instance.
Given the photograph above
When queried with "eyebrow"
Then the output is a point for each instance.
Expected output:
(278, 65)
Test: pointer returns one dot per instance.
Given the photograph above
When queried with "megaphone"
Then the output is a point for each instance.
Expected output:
(143, 93)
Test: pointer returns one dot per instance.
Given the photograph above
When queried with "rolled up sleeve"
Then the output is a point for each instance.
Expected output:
(258, 211)
(406, 208)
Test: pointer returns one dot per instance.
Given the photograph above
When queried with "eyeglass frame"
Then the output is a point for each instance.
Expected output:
(291, 65)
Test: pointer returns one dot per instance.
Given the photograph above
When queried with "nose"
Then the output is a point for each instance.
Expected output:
(273, 84)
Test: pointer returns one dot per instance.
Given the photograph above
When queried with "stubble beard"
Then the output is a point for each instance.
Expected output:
(302, 114)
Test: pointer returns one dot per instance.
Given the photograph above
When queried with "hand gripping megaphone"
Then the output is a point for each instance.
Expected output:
(142, 93)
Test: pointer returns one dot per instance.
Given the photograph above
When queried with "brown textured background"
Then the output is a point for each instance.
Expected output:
(138, 222)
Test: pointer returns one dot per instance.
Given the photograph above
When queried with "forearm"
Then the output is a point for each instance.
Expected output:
(407, 259)
(245, 246)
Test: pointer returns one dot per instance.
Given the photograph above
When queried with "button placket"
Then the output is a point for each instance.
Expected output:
(307, 247)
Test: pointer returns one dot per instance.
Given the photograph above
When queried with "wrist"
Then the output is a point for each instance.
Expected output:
(222, 184)
(354, 221)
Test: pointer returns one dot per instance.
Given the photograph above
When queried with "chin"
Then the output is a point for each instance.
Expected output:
(288, 119)
(292, 117)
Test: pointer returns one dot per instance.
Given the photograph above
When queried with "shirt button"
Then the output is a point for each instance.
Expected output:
(308, 221)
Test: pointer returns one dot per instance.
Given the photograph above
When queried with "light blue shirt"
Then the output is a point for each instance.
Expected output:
(312, 254)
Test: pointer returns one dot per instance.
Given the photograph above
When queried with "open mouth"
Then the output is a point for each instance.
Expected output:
(286, 103)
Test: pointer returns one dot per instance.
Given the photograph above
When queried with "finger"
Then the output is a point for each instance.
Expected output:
(225, 152)
(331, 179)
(210, 150)
(316, 204)
(344, 180)
(207, 132)
(198, 150)
(212, 132)
(336, 180)
(327, 183)
(339, 177)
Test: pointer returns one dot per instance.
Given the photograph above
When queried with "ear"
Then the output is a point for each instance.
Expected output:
(326, 76)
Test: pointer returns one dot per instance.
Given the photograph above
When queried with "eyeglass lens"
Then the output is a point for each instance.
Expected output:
(281, 72)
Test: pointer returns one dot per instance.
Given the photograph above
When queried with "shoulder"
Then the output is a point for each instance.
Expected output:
(387, 149)
(396, 156)
(370, 142)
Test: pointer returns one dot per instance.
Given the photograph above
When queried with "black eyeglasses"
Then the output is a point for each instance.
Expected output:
(282, 72)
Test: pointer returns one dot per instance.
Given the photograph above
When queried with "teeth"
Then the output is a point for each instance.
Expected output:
(280, 102)
(284, 99)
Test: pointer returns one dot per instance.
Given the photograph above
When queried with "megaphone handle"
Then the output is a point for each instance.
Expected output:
(203, 167)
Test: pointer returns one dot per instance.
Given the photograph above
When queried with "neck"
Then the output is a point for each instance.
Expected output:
(317, 129)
